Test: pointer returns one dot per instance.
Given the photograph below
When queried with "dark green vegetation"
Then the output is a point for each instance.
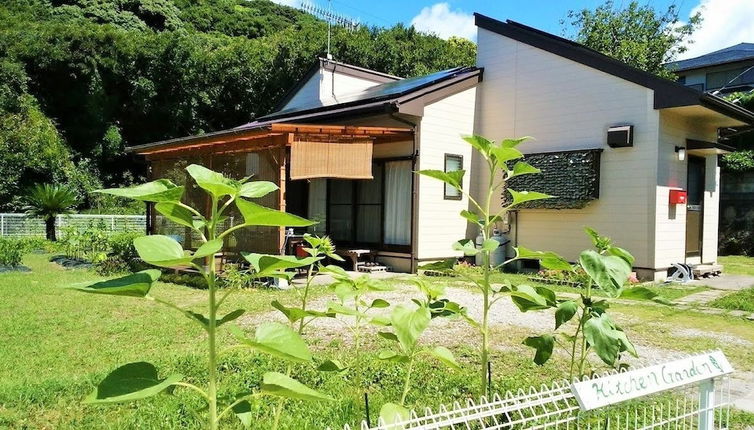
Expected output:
(637, 34)
(81, 80)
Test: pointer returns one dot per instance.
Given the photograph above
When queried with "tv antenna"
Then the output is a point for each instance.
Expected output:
(332, 18)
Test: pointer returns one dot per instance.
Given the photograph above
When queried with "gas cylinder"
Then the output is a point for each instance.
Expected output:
(497, 256)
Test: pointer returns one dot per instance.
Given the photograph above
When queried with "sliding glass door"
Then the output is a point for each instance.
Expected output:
(372, 213)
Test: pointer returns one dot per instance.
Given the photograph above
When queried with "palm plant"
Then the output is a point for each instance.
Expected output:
(48, 201)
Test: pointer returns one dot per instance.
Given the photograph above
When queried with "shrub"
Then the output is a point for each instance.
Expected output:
(11, 252)
(121, 256)
(90, 243)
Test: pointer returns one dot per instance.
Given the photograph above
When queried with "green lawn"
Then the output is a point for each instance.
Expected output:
(737, 264)
(740, 300)
(58, 343)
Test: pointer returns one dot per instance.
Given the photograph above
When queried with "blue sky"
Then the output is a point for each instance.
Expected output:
(726, 22)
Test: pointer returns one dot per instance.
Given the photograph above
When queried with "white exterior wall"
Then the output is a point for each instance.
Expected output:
(326, 86)
(670, 246)
(439, 222)
(565, 105)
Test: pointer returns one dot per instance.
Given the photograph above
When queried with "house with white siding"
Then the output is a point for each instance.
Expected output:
(618, 148)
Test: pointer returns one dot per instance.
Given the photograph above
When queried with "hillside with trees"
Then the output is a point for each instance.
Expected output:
(80, 80)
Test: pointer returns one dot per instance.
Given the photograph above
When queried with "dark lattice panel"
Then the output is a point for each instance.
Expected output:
(573, 177)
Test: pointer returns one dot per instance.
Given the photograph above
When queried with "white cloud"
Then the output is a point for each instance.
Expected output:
(442, 21)
(726, 23)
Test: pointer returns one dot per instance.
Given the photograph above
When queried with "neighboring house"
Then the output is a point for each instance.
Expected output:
(344, 144)
(725, 71)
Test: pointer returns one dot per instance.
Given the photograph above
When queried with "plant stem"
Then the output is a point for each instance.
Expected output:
(281, 403)
(486, 230)
(306, 295)
(406, 383)
(573, 346)
(212, 326)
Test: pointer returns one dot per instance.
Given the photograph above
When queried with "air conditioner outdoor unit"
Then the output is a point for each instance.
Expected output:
(621, 136)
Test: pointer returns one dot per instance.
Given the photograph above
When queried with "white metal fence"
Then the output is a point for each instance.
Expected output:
(700, 405)
(22, 225)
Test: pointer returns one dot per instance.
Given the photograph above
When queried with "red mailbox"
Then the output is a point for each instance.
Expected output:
(678, 197)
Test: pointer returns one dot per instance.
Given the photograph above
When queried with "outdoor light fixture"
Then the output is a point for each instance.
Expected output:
(681, 150)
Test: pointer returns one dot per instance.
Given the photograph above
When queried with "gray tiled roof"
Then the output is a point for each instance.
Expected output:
(731, 54)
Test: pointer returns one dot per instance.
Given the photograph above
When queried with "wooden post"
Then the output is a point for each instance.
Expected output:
(707, 405)
(286, 140)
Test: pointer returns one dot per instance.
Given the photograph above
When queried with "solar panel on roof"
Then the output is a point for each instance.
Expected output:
(381, 91)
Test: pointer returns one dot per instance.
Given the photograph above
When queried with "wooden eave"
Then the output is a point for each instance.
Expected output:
(271, 135)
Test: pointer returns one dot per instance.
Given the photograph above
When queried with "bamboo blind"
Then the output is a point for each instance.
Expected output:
(352, 160)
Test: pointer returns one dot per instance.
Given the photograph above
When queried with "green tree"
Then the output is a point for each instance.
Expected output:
(114, 74)
(48, 201)
(31, 149)
(638, 35)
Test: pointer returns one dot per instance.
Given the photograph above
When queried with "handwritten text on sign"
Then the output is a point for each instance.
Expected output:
(613, 389)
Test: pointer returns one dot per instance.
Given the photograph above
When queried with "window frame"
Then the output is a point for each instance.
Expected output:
(445, 187)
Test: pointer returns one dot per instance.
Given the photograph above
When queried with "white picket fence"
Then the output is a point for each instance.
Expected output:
(701, 403)
(22, 225)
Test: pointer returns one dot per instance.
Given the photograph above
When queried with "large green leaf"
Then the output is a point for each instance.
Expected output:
(522, 168)
(543, 344)
(490, 245)
(467, 246)
(608, 272)
(392, 415)
(471, 217)
(277, 340)
(265, 264)
(296, 314)
(230, 316)
(519, 197)
(134, 285)
(331, 366)
(213, 182)
(257, 189)
(277, 384)
(601, 335)
(479, 143)
(243, 411)
(512, 143)
(254, 214)
(176, 213)
(641, 293)
(528, 299)
(446, 357)
(395, 357)
(161, 251)
(133, 381)
(453, 178)
(409, 324)
(209, 248)
(161, 190)
(626, 345)
(442, 265)
(503, 154)
(548, 260)
(565, 311)
(622, 253)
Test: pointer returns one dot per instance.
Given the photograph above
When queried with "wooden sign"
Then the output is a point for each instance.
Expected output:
(608, 390)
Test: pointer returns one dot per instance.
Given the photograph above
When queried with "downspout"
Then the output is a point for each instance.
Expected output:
(414, 189)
